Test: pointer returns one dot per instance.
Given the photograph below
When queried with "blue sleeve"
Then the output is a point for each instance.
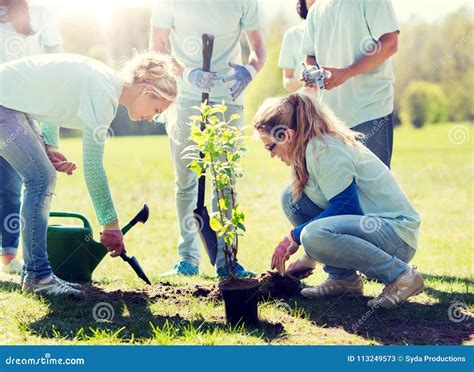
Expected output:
(346, 202)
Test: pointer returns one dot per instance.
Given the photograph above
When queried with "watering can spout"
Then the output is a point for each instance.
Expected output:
(95, 259)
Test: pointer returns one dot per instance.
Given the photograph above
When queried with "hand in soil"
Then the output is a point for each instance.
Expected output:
(302, 268)
(300, 273)
(282, 253)
(274, 286)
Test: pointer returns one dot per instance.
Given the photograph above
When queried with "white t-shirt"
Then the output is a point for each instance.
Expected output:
(225, 19)
(290, 52)
(67, 90)
(333, 165)
(15, 45)
(338, 33)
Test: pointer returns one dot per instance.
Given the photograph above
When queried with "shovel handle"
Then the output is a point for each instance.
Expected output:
(207, 50)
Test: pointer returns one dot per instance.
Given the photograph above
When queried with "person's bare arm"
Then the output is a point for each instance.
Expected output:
(291, 82)
(160, 42)
(258, 51)
(385, 47)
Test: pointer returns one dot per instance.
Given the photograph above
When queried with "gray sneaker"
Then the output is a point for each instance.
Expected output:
(54, 287)
(70, 284)
(350, 286)
(410, 283)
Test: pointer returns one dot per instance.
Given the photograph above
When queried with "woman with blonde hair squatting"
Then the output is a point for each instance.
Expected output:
(78, 92)
(347, 209)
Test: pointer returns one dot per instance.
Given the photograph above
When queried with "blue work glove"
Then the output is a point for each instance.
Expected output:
(243, 75)
(200, 79)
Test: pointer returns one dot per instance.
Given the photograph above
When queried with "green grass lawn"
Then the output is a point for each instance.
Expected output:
(435, 171)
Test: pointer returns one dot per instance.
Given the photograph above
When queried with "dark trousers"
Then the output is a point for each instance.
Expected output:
(378, 137)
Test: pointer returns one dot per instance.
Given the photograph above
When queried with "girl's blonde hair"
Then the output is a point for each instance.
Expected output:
(155, 69)
(308, 118)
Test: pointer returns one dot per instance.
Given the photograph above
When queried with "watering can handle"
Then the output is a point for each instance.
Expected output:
(87, 225)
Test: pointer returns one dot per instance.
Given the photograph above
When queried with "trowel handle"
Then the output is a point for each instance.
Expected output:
(124, 256)
(126, 228)
(84, 220)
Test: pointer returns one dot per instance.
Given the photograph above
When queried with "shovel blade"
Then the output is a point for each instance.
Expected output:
(208, 236)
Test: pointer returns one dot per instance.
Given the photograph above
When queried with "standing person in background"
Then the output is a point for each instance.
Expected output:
(24, 31)
(354, 41)
(291, 58)
(177, 28)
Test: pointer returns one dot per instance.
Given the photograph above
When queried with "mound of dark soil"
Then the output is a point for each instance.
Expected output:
(274, 286)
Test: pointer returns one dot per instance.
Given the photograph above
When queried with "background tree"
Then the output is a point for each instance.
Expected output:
(423, 102)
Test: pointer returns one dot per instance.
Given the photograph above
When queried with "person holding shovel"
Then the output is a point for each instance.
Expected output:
(75, 92)
(351, 213)
(24, 30)
(177, 28)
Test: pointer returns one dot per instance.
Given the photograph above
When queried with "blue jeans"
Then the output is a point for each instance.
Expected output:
(348, 243)
(189, 246)
(378, 137)
(10, 195)
(22, 148)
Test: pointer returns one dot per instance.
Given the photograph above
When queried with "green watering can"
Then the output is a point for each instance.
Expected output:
(74, 254)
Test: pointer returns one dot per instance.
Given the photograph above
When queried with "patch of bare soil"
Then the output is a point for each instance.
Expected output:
(274, 286)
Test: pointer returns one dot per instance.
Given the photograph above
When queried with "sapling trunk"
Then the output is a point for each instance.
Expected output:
(220, 144)
(234, 261)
